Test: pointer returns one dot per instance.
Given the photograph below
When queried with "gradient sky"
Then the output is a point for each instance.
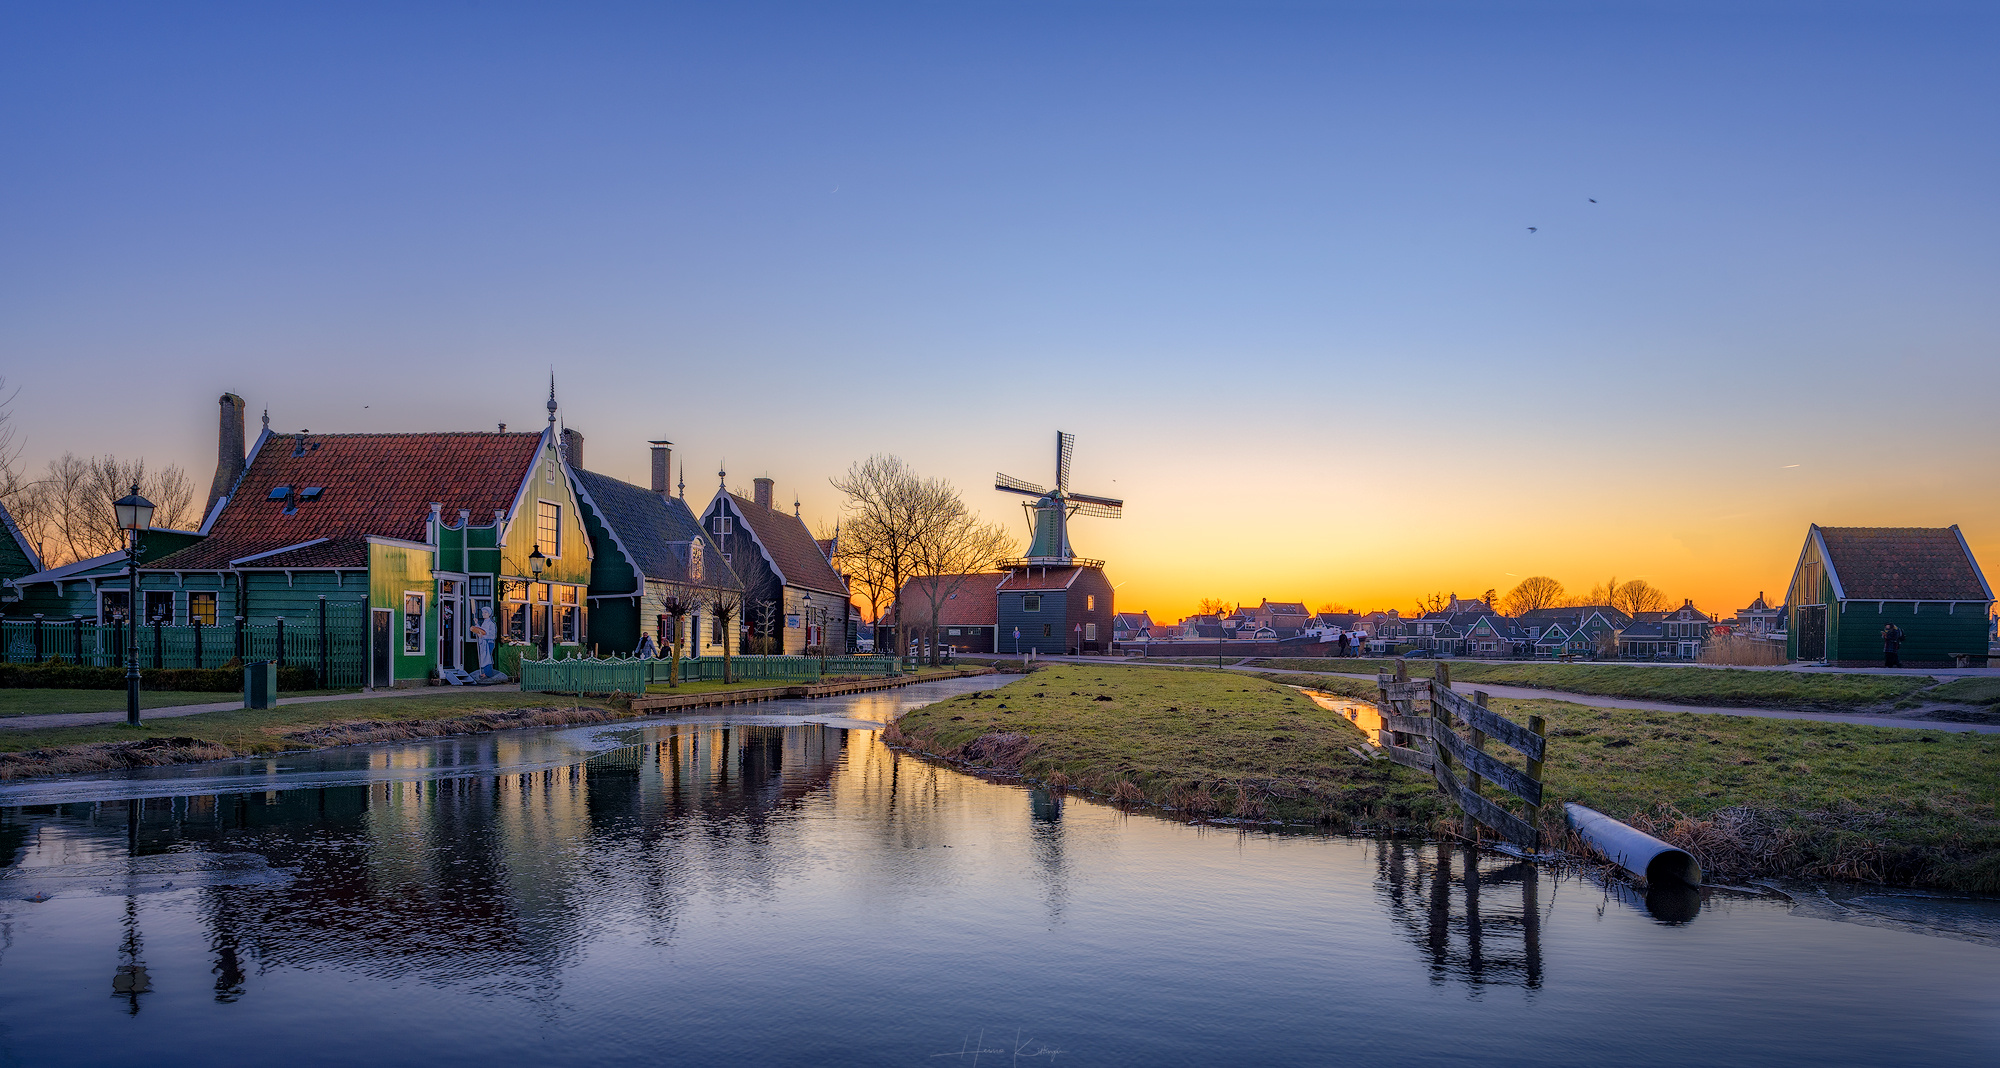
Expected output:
(1270, 262)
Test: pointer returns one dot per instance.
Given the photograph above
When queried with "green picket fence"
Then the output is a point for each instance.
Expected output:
(340, 649)
(632, 675)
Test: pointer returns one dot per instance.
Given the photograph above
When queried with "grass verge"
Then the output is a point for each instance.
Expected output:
(45, 702)
(1748, 796)
(1685, 685)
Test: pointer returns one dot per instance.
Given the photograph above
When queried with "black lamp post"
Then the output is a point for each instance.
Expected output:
(134, 514)
(536, 562)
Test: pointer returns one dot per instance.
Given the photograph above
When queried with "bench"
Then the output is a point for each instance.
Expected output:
(1965, 660)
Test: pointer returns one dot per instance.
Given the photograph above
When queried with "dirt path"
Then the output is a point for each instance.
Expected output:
(86, 719)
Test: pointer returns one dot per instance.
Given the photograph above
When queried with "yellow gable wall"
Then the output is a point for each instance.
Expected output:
(552, 485)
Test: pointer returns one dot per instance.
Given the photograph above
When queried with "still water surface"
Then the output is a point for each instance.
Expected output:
(781, 889)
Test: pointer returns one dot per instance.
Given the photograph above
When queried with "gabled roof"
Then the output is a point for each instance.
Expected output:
(29, 561)
(1031, 579)
(1902, 564)
(655, 532)
(1132, 620)
(379, 484)
(972, 604)
(791, 549)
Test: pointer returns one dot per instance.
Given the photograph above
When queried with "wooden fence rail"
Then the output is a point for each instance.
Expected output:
(1429, 713)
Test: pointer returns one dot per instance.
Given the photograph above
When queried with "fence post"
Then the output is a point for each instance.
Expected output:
(281, 643)
(1440, 723)
(76, 651)
(38, 638)
(1538, 727)
(1472, 779)
(241, 652)
(197, 642)
(325, 653)
(159, 656)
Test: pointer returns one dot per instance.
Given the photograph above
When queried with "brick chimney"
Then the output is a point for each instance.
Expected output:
(763, 492)
(228, 451)
(663, 467)
(572, 449)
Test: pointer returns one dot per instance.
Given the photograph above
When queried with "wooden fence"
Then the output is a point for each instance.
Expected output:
(1420, 729)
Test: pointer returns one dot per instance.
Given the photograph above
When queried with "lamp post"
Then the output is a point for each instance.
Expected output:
(134, 514)
(536, 562)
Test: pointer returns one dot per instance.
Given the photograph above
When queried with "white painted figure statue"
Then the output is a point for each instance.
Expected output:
(485, 632)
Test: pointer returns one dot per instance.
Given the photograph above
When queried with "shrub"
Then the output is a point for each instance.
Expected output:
(56, 675)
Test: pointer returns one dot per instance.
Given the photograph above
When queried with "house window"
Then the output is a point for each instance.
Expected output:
(548, 527)
(1031, 603)
(569, 613)
(516, 594)
(413, 623)
(1090, 602)
(111, 604)
(1048, 630)
(1090, 632)
(201, 609)
(720, 526)
(953, 631)
(715, 630)
(160, 606)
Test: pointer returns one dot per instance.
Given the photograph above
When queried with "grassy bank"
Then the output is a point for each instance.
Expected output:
(43, 702)
(1686, 685)
(1748, 796)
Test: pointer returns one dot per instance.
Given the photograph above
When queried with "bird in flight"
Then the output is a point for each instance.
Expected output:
(1531, 229)
(1593, 200)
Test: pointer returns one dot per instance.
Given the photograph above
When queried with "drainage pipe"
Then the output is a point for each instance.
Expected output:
(1632, 849)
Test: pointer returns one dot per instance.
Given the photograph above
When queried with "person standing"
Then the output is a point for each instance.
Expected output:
(1892, 644)
(1342, 646)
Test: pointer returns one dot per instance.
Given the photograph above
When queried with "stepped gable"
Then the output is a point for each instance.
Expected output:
(370, 484)
(1903, 564)
(655, 531)
(792, 548)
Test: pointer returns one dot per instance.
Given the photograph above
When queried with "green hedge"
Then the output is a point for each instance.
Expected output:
(56, 675)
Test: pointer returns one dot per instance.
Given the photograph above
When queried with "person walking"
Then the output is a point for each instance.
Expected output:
(1892, 644)
(646, 649)
(1342, 646)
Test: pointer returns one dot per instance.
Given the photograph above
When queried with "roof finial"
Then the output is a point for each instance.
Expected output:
(722, 477)
(267, 418)
(795, 506)
(552, 397)
(684, 480)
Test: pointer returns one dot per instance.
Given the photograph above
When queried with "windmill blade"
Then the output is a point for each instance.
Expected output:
(1101, 511)
(1091, 498)
(1017, 485)
(1065, 448)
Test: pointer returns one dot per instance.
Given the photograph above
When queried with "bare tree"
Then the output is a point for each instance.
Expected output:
(1335, 608)
(68, 511)
(1436, 602)
(677, 605)
(1531, 593)
(890, 509)
(723, 607)
(1214, 606)
(952, 545)
(1639, 596)
(766, 625)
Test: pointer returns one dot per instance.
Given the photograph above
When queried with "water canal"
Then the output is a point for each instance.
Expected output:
(784, 890)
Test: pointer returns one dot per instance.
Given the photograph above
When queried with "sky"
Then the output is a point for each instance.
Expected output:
(1272, 263)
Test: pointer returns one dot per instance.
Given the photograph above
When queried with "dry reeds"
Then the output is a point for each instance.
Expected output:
(1126, 792)
(1736, 650)
(110, 756)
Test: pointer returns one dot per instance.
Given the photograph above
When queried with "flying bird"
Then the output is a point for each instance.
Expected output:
(1593, 200)
(1531, 229)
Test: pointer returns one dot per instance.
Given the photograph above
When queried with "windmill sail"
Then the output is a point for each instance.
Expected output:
(1065, 449)
(1017, 485)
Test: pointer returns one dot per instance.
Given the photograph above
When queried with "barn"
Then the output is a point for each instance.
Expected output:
(1851, 582)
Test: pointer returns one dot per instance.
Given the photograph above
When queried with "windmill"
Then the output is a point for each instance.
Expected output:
(1051, 510)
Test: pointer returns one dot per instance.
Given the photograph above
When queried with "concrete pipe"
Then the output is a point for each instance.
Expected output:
(1632, 849)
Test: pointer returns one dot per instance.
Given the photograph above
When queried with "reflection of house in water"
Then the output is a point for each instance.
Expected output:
(1476, 918)
(722, 773)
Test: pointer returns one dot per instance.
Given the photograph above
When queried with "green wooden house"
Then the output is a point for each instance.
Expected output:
(1852, 582)
(17, 554)
(648, 550)
(394, 547)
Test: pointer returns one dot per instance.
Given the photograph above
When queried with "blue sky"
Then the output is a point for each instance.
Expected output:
(1267, 256)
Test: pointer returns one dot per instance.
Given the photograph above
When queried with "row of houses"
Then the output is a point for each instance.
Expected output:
(457, 550)
(1849, 585)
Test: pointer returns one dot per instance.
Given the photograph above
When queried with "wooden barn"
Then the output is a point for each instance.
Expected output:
(1851, 582)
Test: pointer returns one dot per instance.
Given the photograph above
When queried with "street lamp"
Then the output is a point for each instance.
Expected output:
(134, 513)
(536, 562)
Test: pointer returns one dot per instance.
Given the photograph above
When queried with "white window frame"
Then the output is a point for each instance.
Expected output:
(555, 553)
(423, 638)
(1031, 602)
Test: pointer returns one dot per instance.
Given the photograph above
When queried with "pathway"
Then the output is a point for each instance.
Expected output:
(86, 719)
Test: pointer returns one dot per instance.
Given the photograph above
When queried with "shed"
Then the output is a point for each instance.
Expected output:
(1851, 582)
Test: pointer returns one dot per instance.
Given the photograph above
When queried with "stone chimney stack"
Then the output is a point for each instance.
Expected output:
(228, 451)
(572, 449)
(763, 492)
(663, 467)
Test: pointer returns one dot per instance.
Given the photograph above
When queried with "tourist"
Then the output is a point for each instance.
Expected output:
(1892, 643)
(647, 650)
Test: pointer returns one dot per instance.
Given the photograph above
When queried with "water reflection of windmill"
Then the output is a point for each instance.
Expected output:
(1053, 601)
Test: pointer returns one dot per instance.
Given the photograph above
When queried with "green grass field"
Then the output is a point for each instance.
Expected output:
(1751, 796)
(41, 702)
(1686, 685)
(1968, 691)
(263, 730)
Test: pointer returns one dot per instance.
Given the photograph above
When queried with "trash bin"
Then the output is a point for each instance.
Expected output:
(260, 684)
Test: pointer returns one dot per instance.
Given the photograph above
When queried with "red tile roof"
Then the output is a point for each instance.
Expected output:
(791, 547)
(973, 604)
(380, 484)
(1903, 564)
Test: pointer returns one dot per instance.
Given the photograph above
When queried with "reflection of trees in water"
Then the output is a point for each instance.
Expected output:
(1477, 918)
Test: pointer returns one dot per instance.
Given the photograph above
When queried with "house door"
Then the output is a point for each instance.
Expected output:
(381, 633)
(450, 653)
(1812, 632)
